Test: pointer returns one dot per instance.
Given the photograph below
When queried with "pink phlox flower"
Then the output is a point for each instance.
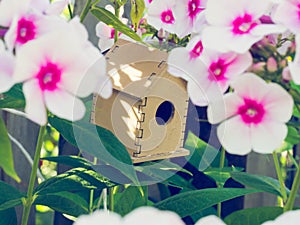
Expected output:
(294, 66)
(234, 25)
(161, 15)
(183, 60)
(252, 117)
(7, 63)
(106, 36)
(56, 69)
(189, 16)
(29, 26)
(289, 217)
(288, 14)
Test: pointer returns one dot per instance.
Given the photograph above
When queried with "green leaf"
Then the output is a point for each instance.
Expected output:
(98, 142)
(253, 216)
(74, 180)
(8, 217)
(202, 155)
(119, 2)
(221, 175)
(293, 136)
(263, 183)
(10, 196)
(64, 202)
(70, 160)
(6, 155)
(129, 199)
(137, 12)
(191, 202)
(110, 19)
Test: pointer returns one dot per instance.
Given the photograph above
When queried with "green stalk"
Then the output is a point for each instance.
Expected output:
(111, 200)
(221, 166)
(85, 10)
(29, 200)
(117, 14)
(280, 178)
(295, 187)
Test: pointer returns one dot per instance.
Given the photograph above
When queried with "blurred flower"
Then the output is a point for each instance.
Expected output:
(189, 16)
(286, 74)
(54, 76)
(294, 66)
(271, 64)
(289, 217)
(106, 36)
(7, 63)
(149, 216)
(238, 27)
(255, 116)
(161, 15)
(287, 13)
(210, 220)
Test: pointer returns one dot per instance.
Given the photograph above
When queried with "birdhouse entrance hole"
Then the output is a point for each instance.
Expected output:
(164, 113)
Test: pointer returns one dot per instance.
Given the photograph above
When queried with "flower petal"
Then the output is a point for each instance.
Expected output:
(289, 217)
(235, 136)
(7, 63)
(99, 217)
(150, 216)
(35, 106)
(224, 108)
(64, 105)
(210, 220)
(267, 136)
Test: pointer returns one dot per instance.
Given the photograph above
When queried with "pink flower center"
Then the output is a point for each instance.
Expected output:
(197, 50)
(112, 33)
(243, 24)
(48, 76)
(251, 111)
(217, 70)
(298, 6)
(167, 17)
(194, 8)
(25, 31)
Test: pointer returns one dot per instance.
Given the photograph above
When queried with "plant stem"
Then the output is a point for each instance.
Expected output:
(29, 200)
(279, 176)
(111, 192)
(85, 10)
(117, 14)
(221, 166)
(295, 187)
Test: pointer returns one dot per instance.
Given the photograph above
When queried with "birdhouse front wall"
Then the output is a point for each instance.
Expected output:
(147, 110)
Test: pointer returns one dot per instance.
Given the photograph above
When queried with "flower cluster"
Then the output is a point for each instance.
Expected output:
(151, 215)
(227, 53)
(51, 57)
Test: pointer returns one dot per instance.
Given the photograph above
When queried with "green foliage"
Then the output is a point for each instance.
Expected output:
(6, 155)
(264, 183)
(8, 217)
(14, 98)
(202, 155)
(70, 160)
(10, 196)
(98, 142)
(137, 12)
(253, 216)
(191, 202)
(110, 19)
(293, 136)
(221, 175)
(128, 200)
(65, 202)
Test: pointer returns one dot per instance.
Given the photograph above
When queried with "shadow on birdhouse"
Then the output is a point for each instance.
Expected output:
(147, 110)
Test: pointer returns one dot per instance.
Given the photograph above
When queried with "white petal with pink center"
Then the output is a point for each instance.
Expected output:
(189, 16)
(64, 71)
(289, 217)
(254, 117)
(30, 26)
(7, 63)
(238, 25)
(106, 36)
(161, 15)
(183, 60)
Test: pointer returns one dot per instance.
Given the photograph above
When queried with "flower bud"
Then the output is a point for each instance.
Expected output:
(271, 65)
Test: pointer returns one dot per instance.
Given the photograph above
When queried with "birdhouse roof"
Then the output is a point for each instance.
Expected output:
(135, 68)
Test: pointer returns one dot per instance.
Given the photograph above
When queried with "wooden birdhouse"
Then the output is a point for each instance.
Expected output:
(147, 110)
